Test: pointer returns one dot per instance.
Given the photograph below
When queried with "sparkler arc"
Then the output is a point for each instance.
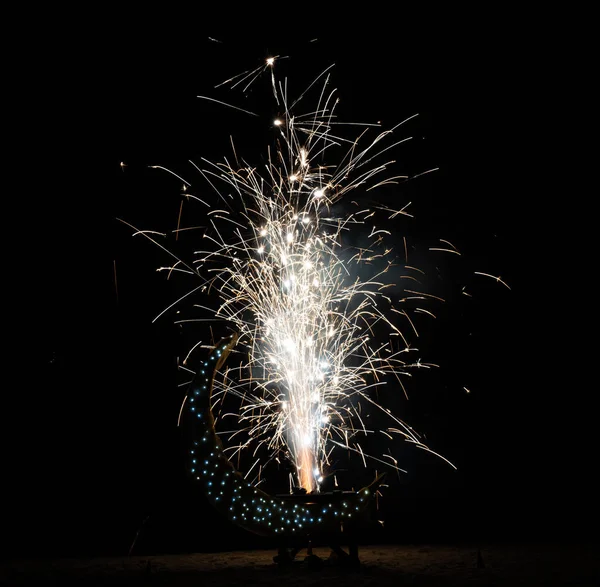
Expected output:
(247, 506)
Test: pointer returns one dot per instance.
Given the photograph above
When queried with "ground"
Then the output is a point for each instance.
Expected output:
(497, 565)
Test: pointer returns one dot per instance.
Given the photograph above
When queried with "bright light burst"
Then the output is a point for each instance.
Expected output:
(317, 336)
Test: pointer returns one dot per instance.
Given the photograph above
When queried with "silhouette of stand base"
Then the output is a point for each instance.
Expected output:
(338, 556)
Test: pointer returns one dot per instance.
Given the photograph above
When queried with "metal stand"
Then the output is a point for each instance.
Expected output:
(338, 556)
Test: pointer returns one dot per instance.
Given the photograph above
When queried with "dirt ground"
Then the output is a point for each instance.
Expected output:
(499, 565)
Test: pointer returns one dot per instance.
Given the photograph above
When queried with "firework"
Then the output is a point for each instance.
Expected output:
(316, 339)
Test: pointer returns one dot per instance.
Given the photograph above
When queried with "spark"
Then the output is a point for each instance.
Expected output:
(228, 105)
(493, 277)
(115, 279)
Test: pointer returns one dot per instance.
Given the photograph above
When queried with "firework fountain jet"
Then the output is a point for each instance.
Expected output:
(291, 290)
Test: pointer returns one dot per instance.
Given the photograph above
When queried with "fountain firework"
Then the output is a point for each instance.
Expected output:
(317, 338)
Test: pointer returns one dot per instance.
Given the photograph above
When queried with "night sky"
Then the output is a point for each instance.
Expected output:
(95, 449)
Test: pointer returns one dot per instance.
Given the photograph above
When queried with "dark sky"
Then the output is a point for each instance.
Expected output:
(95, 447)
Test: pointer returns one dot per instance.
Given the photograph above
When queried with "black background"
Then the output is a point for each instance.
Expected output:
(93, 452)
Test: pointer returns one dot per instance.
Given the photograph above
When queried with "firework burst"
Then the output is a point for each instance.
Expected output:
(317, 338)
